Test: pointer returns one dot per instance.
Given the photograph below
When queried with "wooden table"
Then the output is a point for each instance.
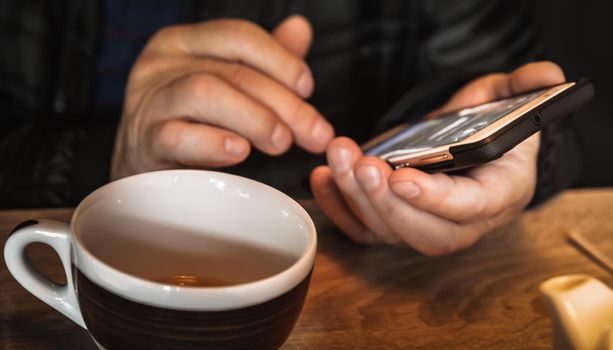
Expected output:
(485, 297)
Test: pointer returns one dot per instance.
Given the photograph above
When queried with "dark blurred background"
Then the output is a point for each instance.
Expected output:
(578, 35)
(57, 131)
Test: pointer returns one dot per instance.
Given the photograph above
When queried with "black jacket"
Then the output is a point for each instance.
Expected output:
(55, 145)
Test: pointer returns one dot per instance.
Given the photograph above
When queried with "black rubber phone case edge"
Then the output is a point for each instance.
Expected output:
(505, 139)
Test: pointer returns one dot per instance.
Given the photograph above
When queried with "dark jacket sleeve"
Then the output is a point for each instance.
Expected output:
(53, 150)
(461, 40)
(44, 165)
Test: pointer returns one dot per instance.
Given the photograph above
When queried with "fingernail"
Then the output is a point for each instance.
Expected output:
(407, 189)
(279, 137)
(369, 177)
(322, 133)
(235, 146)
(340, 160)
(305, 84)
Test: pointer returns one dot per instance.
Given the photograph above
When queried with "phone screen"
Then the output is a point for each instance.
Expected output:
(448, 129)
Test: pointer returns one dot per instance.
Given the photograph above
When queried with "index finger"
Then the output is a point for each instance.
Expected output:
(239, 41)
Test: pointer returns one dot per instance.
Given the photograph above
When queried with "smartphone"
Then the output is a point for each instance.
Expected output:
(479, 134)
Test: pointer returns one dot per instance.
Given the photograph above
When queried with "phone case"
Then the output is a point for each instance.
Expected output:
(505, 139)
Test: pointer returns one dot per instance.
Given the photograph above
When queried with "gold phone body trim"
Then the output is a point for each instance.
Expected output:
(400, 158)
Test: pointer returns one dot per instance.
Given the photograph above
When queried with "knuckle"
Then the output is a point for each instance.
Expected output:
(302, 115)
(296, 68)
(392, 209)
(267, 122)
(492, 84)
(500, 202)
(467, 236)
(199, 86)
(164, 35)
(475, 212)
(264, 130)
(169, 137)
(439, 192)
(297, 108)
(282, 146)
(240, 75)
(492, 78)
(145, 62)
(444, 241)
(240, 28)
(143, 67)
(309, 115)
(264, 124)
(434, 250)
(545, 63)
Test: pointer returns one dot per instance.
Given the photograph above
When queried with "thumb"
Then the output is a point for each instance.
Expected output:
(295, 34)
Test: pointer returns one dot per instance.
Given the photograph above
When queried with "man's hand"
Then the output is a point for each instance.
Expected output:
(434, 213)
(202, 95)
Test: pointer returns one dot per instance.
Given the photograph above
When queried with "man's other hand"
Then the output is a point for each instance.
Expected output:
(434, 213)
(201, 95)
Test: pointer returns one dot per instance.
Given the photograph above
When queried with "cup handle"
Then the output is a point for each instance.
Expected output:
(57, 235)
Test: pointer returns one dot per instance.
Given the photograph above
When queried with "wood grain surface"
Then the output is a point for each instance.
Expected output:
(381, 297)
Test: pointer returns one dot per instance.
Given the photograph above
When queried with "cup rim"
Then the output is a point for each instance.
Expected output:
(190, 298)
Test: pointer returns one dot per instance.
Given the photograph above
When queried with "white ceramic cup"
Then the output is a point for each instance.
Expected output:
(127, 233)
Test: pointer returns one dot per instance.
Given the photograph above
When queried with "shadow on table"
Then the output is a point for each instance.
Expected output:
(496, 276)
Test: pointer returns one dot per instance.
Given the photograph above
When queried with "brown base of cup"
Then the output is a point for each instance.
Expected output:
(117, 323)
